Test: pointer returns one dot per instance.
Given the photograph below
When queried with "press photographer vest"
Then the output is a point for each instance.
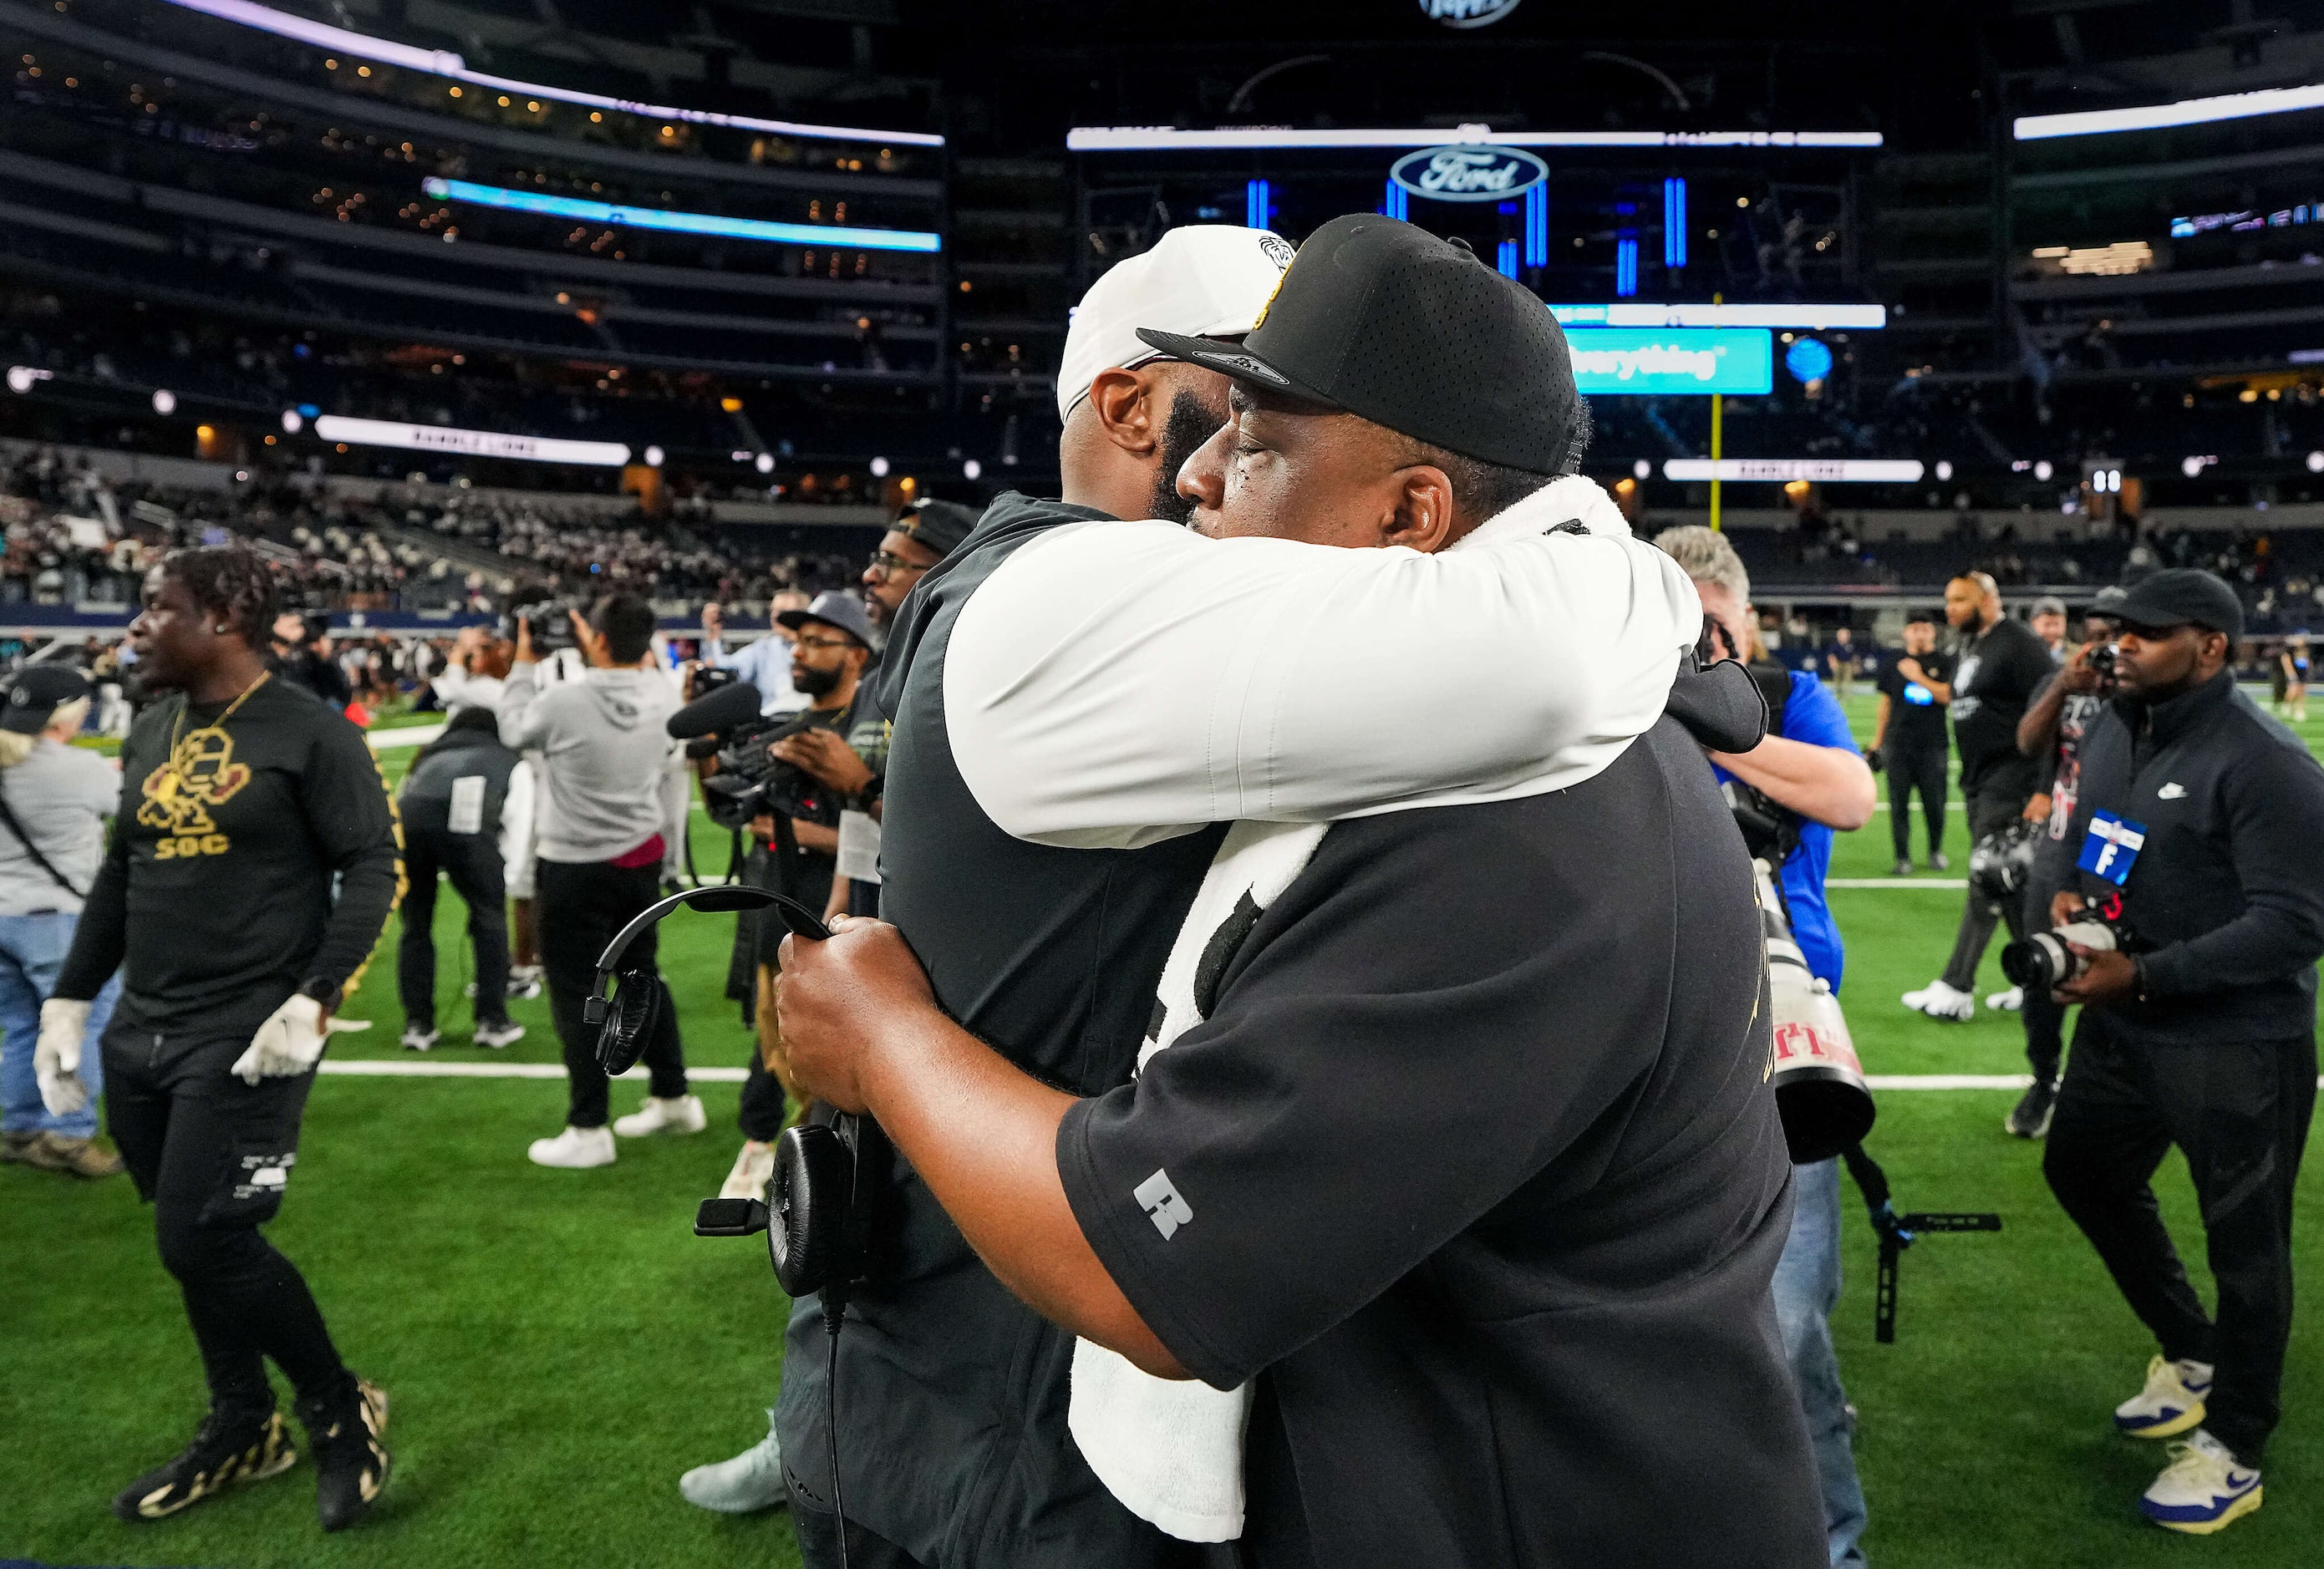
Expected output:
(459, 785)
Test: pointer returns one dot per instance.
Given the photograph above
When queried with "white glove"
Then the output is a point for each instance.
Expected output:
(288, 1044)
(56, 1060)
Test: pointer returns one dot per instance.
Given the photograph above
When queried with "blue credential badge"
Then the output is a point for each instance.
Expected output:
(2111, 847)
(1919, 696)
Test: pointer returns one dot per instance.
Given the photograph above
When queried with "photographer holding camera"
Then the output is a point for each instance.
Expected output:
(608, 814)
(1806, 775)
(2196, 900)
(2052, 734)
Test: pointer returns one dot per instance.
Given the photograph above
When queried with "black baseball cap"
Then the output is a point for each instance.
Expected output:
(1383, 320)
(940, 526)
(2183, 596)
(35, 692)
(842, 611)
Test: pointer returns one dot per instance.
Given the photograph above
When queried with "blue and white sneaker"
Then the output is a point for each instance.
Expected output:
(2202, 1489)
(2172, 1402)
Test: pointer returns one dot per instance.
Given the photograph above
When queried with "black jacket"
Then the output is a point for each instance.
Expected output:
(2227, 894)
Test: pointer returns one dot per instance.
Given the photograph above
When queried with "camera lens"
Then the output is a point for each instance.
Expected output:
(2040, 961)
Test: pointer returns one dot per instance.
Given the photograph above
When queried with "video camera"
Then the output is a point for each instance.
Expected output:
(550, 622)
(723, 727)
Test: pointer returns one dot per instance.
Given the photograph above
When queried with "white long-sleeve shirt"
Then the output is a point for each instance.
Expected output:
(1116, 684)
(765, 665)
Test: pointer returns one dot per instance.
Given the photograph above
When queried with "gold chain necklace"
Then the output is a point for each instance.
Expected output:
(178, 729)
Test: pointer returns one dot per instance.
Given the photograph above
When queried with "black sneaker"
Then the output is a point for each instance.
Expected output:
(1903, 870)
(229, 1449)
(1937, 862)
(2031, 1120)
(350, 1462)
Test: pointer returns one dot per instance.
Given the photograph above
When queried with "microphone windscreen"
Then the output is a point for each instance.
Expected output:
(723, 710)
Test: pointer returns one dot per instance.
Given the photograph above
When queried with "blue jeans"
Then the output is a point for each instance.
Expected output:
(33, 949)
(1807, 1289)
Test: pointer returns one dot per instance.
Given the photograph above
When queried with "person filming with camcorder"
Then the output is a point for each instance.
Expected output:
(2188, 924)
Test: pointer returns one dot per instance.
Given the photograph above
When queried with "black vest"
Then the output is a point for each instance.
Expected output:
(440, 781)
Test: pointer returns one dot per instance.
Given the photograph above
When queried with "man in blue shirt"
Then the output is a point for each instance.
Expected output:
(1808, 766)
(765, 663)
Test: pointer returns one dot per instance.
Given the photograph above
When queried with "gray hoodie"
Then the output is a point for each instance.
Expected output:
(604, 751)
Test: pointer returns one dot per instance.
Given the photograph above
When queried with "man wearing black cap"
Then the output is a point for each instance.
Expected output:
(2196, 840)
(1421, 1252)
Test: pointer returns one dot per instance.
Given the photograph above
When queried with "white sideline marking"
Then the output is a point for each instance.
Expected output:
(1955, 883)
(402, 736)
(392, 1068)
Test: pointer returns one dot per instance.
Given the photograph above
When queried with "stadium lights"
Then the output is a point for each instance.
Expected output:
(2156, 116)
(2316, 462)
(446, 438)
(2192, 466)
(24, 378)
(442, 63)
(1815, 471)
(1642, 470)
(653, 455)
(1176, 139)
(972, 469)
(165, 403)
(1944, 468)
(1809, 318)
(764, 462)
(2042, 471)
(292, 422)
(879, 468)
(525, 201)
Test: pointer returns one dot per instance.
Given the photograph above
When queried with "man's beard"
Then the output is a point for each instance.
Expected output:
(1192, 423)
(810, 682)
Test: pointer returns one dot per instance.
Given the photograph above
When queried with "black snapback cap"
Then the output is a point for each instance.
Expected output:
(1385, 320)
(2183, 597)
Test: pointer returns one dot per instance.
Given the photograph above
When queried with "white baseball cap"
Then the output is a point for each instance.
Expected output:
(1208, 279)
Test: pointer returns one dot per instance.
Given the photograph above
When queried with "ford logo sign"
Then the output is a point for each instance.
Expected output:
(1467, 12)
(1468, 174)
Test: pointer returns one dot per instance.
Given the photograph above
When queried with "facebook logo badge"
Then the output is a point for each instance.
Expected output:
(2111, 847)
(1158, 1196)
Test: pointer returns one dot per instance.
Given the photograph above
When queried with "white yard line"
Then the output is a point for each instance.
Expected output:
(1954, 883)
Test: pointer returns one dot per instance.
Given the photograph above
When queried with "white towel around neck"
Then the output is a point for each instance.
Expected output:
(1171, 1449)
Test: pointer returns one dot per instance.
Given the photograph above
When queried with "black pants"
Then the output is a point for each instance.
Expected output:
(213, 1156)
(1986, 811)
(817, 1530)
(473, 862)
(582, 905)
(2240, 1115)
(760, 1117)
(1924, 771)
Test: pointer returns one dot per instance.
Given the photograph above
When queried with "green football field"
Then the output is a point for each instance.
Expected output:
(559, 1347)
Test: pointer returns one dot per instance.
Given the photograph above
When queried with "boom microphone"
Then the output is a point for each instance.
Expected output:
(723, 710)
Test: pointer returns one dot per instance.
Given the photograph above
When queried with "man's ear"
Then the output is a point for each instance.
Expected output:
(1423, 517)
(1124, 412)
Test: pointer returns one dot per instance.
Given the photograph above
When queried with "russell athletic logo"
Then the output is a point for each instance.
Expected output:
(1468, 174)
(1159, 1196)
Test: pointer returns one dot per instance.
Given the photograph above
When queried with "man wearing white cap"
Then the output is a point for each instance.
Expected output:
(1042, 854)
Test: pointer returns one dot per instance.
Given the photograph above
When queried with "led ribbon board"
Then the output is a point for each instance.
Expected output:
(443, 63)
(1782, 470)
(1673, 361)
(526, 201)
(1808, 317)
(2160, 116)
(445, 438)
(1175, 139)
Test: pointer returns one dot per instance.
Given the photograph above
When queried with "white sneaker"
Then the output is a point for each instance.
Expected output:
(416, 1039)
(2203, 1489)
(1940, 1001)
(751, 1482)
(753, 1168)
(680, 1115)
(2172, 1402)
(496, 1036)
(575, 1149)
(524, 982)
(2008, 1002)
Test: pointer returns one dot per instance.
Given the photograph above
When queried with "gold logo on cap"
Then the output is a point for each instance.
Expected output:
(1260, 319)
